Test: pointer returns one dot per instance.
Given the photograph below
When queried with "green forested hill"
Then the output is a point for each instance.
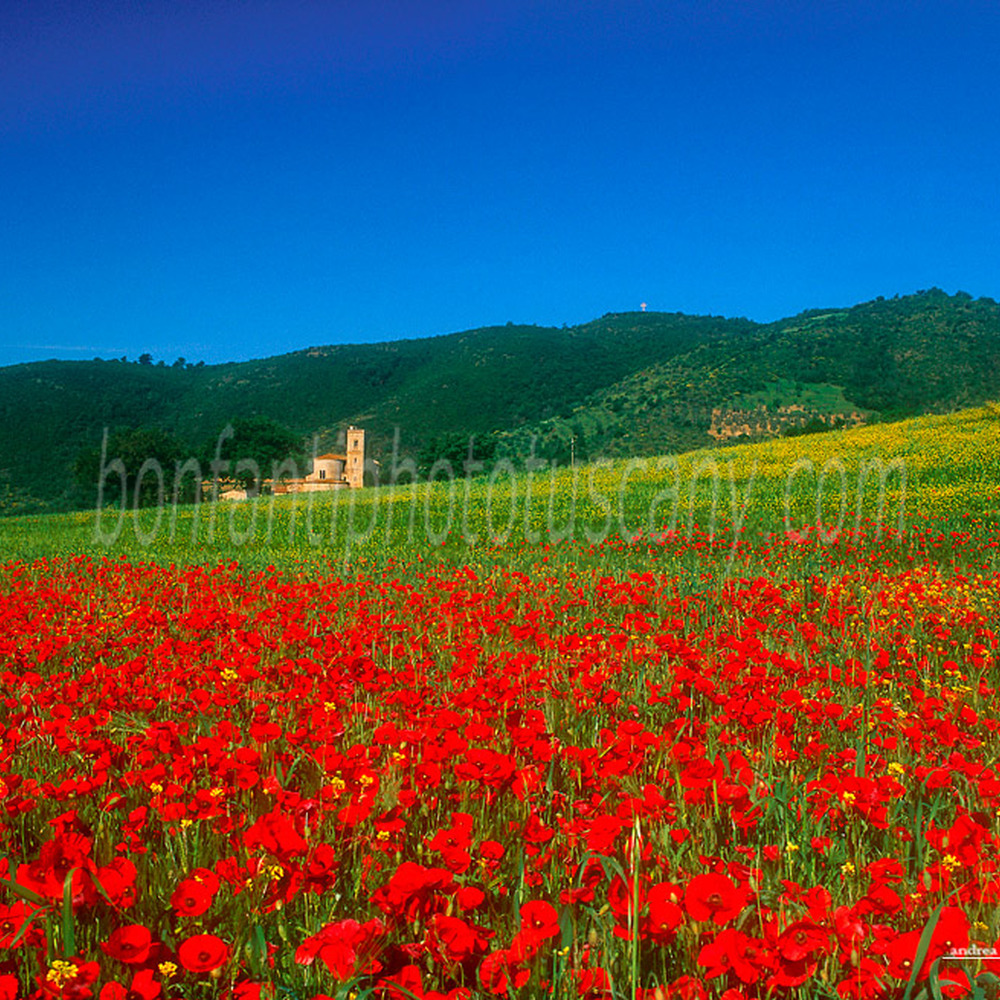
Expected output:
(881, 360)
(632, 382)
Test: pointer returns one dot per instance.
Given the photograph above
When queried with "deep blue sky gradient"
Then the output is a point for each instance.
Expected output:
(223, 180)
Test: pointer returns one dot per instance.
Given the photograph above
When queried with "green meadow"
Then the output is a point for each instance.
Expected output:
(874, 481)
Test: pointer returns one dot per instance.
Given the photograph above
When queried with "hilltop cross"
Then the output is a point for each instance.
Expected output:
(642, 306)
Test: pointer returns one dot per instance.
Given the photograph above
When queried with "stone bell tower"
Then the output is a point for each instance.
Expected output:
(354, 467)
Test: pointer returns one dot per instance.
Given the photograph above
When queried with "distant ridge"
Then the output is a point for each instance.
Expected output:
(627, 383)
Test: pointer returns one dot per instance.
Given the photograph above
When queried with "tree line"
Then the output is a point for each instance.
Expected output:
(245, 451)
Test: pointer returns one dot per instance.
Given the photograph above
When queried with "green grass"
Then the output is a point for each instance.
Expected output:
(820, 397)
(885, 476)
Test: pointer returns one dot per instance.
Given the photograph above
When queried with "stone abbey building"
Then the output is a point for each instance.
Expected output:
(332, 471)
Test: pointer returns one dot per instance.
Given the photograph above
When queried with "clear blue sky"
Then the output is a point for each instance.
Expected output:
(233, 179)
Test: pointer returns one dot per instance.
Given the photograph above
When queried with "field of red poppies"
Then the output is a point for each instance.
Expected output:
(572, 779)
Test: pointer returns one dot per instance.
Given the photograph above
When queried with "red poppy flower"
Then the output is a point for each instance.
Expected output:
(789, 973)
(851, 930)
(347, 948)
(536, 832)
(593, 984)
(499, 974)
(118, 882)
(469, 897)
(590, 878)
(191, 898)
(56, 859)
(12, 919)
(866, 981)
(143, 987)
(129, 944)
(732, 951)
(405, 984)
(203, 953)
(320, 871)
(951, 931)
(452, 940)
(491, 853)
(413, 892)
(276, 834)
(713, 897)
(685, 988)
(801, 940)
(603, 834)
(664, 915)
(539, 920)
(453, 843)
(250, 990)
